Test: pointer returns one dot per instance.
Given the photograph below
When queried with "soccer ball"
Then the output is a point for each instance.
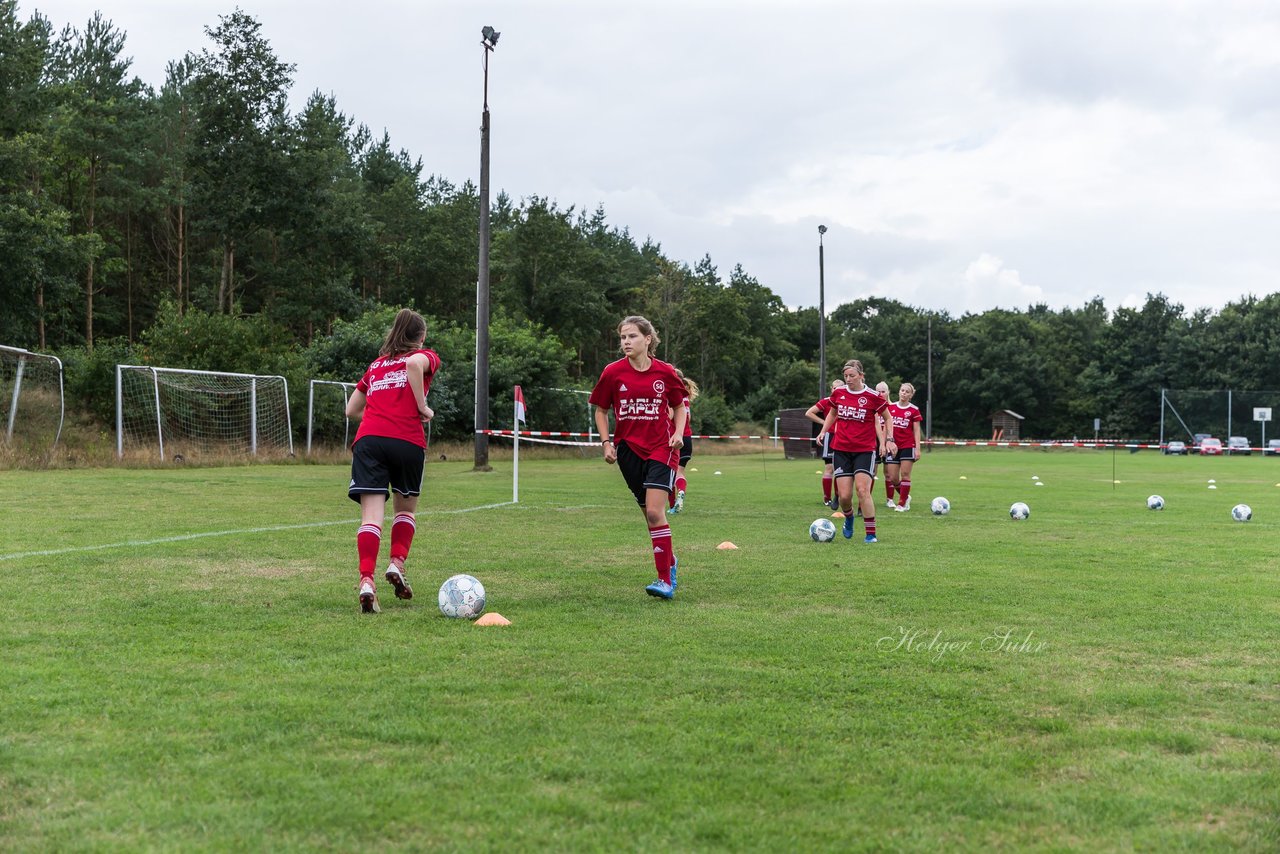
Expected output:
(1019, 511)
(1242, 512)
(1155, 502)
(940, 506)
(462, 596)
(822, 531)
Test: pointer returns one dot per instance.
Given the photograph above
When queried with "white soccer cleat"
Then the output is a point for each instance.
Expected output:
(395, 577)
(890, 504)
(368, 598)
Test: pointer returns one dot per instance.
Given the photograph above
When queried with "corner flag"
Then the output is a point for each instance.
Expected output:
(519, 406)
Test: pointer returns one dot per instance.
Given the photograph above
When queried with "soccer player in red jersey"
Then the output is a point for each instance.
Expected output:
(675, 501)
(882, 389)
(817, 414)
(906, 419)
(647, 399)
(860, 419)
(390, 402)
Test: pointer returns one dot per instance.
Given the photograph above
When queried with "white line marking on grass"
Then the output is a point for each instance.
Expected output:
(181, 537)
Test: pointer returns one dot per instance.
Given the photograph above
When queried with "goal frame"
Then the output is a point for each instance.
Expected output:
(23, 356)
(347, 388)
(155, 385)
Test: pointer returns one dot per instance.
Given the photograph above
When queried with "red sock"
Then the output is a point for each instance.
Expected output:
(681, 484)
(671, 499)
(888, 489)
(826, 487)
(402, 537)
(870, 522)
(368, 541)
(661, 537)
(904, 490)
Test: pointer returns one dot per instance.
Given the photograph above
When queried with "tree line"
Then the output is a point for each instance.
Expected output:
(204, 225)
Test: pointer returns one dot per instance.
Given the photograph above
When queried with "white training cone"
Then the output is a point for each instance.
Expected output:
(727, 546)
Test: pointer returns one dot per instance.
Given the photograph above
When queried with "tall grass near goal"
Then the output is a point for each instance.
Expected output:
(178, 412)
(31, 389)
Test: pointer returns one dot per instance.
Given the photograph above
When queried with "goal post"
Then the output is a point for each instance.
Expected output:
(192, 412)
(31, 385)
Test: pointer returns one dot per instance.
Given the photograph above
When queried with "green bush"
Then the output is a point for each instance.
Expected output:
(90, 377)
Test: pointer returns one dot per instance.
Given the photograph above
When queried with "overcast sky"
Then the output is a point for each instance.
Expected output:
(963, 155)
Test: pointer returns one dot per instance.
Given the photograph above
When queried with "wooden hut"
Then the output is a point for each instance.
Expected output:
(1005, 426)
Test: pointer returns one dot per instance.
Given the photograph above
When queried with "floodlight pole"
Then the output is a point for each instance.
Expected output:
(490, 40)
(928, 397)
(822, 319)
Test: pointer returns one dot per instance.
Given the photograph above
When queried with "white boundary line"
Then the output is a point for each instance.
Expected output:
(184, 537)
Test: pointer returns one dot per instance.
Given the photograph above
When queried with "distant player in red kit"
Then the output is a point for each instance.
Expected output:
(882, 389)
(647, 399)
(860, 419)
(817, 414)
(390, 402)
(906, 419)
(676, 499)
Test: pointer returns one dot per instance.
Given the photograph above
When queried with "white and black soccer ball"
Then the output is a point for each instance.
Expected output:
(822, 531)
(1019, 511)
(940, 506)
(462, 596)
(1242, 512)
(1155, 502)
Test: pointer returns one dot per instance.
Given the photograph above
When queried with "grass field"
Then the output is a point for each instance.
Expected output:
(184, 666)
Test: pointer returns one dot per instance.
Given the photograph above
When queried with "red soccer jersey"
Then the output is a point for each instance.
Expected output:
(390, 410)
(642, 404)
(904, 434)
(856, 413)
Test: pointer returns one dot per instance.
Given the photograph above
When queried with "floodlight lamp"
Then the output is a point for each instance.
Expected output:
(822, 229)
(490, 36)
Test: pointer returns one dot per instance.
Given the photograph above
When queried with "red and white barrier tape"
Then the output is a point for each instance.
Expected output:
(958, 443)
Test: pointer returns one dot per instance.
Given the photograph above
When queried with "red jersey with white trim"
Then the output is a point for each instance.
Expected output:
(856, 415)
(390, 410)
(688, 419)
(904, 434)
(643, 403)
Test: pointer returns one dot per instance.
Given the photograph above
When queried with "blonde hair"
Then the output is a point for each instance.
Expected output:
(909, 387)
(646, 329)
(406, 334)
(855, 364)
(835, 384)
(689, 385)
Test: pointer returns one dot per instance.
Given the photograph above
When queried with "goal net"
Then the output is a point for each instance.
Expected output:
(192, 414)
(32, 394)
(1217, 412)
(327, 422)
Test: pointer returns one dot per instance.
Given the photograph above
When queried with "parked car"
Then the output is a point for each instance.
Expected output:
(1239, 445)
(1272, 449)
(1197, 438)
(1210, 447)
(1177, 448)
